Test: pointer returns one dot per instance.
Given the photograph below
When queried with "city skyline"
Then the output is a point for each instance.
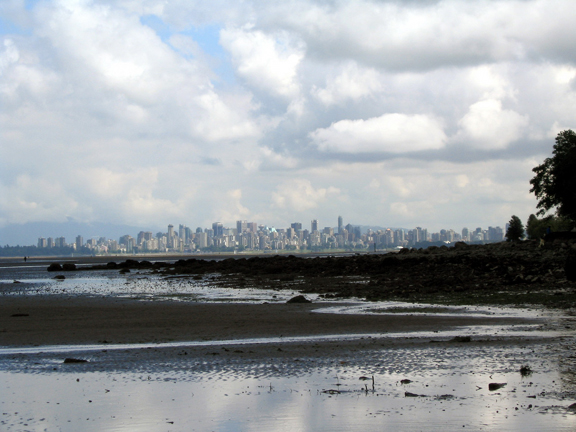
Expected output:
(414, 113)
(252, 236)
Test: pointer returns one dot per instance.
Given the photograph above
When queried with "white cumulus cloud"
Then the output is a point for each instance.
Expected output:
(488, 126)
(391, 133)
(268, 62)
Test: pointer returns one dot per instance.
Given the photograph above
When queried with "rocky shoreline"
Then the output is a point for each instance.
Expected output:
(508, 273)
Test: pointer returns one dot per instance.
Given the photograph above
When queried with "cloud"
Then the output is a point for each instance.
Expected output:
(300, 195)
(353, 83)
(391, 133)
(403, 36)
(267, 62)
(487, 126)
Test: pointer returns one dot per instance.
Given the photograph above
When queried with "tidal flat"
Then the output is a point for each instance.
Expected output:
(159, 354)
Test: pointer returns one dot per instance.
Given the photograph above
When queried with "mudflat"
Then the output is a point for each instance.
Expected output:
(59, 319)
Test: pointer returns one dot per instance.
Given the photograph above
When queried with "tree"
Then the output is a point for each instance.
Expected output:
(515, 229)
(555, 181)
(536, 228)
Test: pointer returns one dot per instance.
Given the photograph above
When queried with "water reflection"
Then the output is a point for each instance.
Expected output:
(447, 389)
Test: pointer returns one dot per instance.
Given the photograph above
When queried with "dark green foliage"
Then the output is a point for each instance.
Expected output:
(536, 228)
(515, 229)
(555, 181)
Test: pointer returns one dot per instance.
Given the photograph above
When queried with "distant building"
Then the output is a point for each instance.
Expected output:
(296, 226)
(241, 226)
(314, 225)
(340, 224)
(218, 229)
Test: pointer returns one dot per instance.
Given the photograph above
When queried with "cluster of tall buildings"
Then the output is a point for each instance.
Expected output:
(251, 236)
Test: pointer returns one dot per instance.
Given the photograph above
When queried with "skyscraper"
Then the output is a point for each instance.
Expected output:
(340, 224)
(241, 226)
(314, 225)
(218, 229)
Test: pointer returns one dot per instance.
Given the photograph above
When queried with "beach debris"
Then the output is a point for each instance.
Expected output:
(445, 397)
(462, 339)
(413, 395)
(331, 391)
(405, 381)
(525, 371)
(74, 360)
(299, 299)
(16, 281)
(572, 407)
(495, 386)
(16, 315)
(59, 277)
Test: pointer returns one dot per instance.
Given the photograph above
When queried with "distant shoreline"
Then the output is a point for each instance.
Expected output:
(88, 259)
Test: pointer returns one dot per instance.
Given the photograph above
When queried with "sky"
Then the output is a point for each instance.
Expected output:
(389, 113)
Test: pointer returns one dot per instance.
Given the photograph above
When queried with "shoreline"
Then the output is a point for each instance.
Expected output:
(70, 320)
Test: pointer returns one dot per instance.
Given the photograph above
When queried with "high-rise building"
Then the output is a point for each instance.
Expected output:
(170, 231)
(42, 243)
(79, 242)
(253, 227)
(296, 226)
(241, 226)
(340, 224)
(218, 229)
(314, 225)
(329, 231)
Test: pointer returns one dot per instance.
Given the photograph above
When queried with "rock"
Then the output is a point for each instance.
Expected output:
(17, 315)
(408, 394)
(570, 266)
(461, 339)
(299, 299)
(74, 360)
(69, 266)
(54, 267)
(405, 381)
(495, 386)
(60, 277)
(112, 265)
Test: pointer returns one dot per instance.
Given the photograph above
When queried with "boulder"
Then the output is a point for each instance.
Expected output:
(495, 386)
(299, 299)
(54, 267)
(570, 266)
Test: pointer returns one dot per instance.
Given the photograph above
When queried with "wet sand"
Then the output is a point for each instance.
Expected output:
(59, 320)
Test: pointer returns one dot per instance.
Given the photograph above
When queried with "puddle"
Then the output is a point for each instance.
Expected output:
(404, 308)
(447, 389)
